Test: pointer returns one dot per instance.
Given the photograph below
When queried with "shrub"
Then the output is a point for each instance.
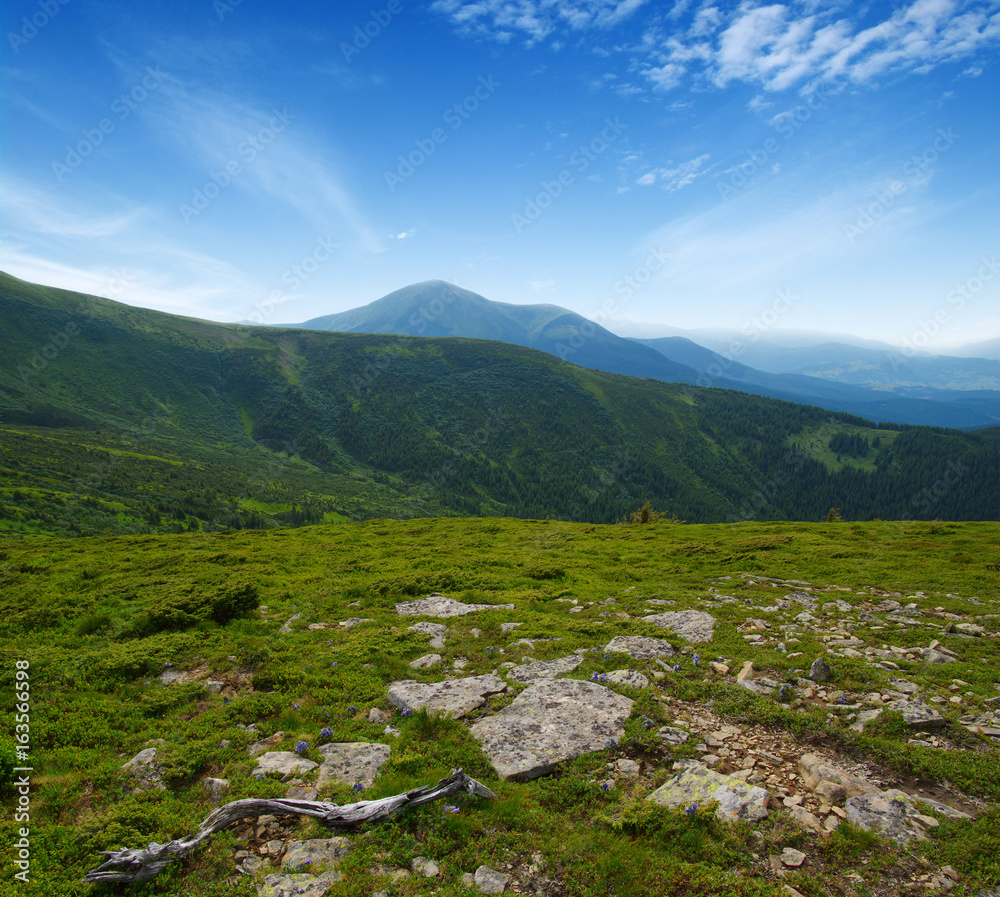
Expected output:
(646, 514)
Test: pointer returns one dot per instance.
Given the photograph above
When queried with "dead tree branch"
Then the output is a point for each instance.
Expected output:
(136, 866)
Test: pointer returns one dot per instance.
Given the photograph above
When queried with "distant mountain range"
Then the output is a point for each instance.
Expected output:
(438, 308)
(871, 381)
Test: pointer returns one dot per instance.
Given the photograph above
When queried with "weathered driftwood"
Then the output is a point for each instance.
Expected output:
(135, 866)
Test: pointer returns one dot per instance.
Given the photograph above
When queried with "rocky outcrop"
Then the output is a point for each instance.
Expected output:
(693, 625)
(439, 606)
(640, 647)
(282, 763)
(545, 669)
(351, 763)
(453, 697)
(695, 785)
(144, 773)
(550, 722)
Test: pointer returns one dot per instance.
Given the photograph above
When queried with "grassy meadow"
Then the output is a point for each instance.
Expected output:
(100, 619)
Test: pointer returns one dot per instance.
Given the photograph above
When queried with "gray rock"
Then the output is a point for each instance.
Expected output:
(627, 768)
(918, 715)
(888, 813)
(820, 670)
(640, 647)
(299, 885)
(144, 773)
(428, 660)
(803, 598)
(425, 866)
(172, 677)
(250, 865)
(437, 631)
(214, 686)
(454, 697)
(216, 788)
(439, 606)
(301, 792)
(351, 622)
(792, 858)
(814, 769)
(864, 718)
(265, 744)
(545, 669)
(489, 881)
(282, 763)
(831, 792)
(630, 678)
(696, 784)
(287, 625)
(673, 735)
(550, 722)
(944, 809)
(351, 763)
(693, 625)
(933, 656)
(305, 856)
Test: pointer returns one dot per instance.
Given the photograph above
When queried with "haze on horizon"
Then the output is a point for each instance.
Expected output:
(693, 166)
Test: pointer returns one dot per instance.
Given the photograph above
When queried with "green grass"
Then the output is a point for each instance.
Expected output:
(100, 618)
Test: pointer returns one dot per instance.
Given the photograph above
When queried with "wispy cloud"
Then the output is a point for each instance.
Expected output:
(675, 176)
(212, 129)
(50, 240)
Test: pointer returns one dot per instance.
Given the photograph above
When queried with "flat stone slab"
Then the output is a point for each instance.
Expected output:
(631, 678)
(304, 856)
(428, 660)
(454, 697)
(439, 606)
(351, 763)
(640, 647)
(696, 784)
(693, 625)
(890, 813)
(283, 763)
(545, 669)
(437, 631)
(550, 722)
(301, 884)
(918, 715)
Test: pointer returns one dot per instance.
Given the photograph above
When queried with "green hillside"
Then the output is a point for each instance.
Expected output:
(126, 420)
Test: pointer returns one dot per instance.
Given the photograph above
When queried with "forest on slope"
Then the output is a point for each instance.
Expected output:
(120, 419)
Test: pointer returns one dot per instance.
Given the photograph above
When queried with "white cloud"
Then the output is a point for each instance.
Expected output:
(675, 176)
(776, 46)
(535, 19)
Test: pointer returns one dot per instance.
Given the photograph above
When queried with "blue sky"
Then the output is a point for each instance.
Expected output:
(688, 164)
